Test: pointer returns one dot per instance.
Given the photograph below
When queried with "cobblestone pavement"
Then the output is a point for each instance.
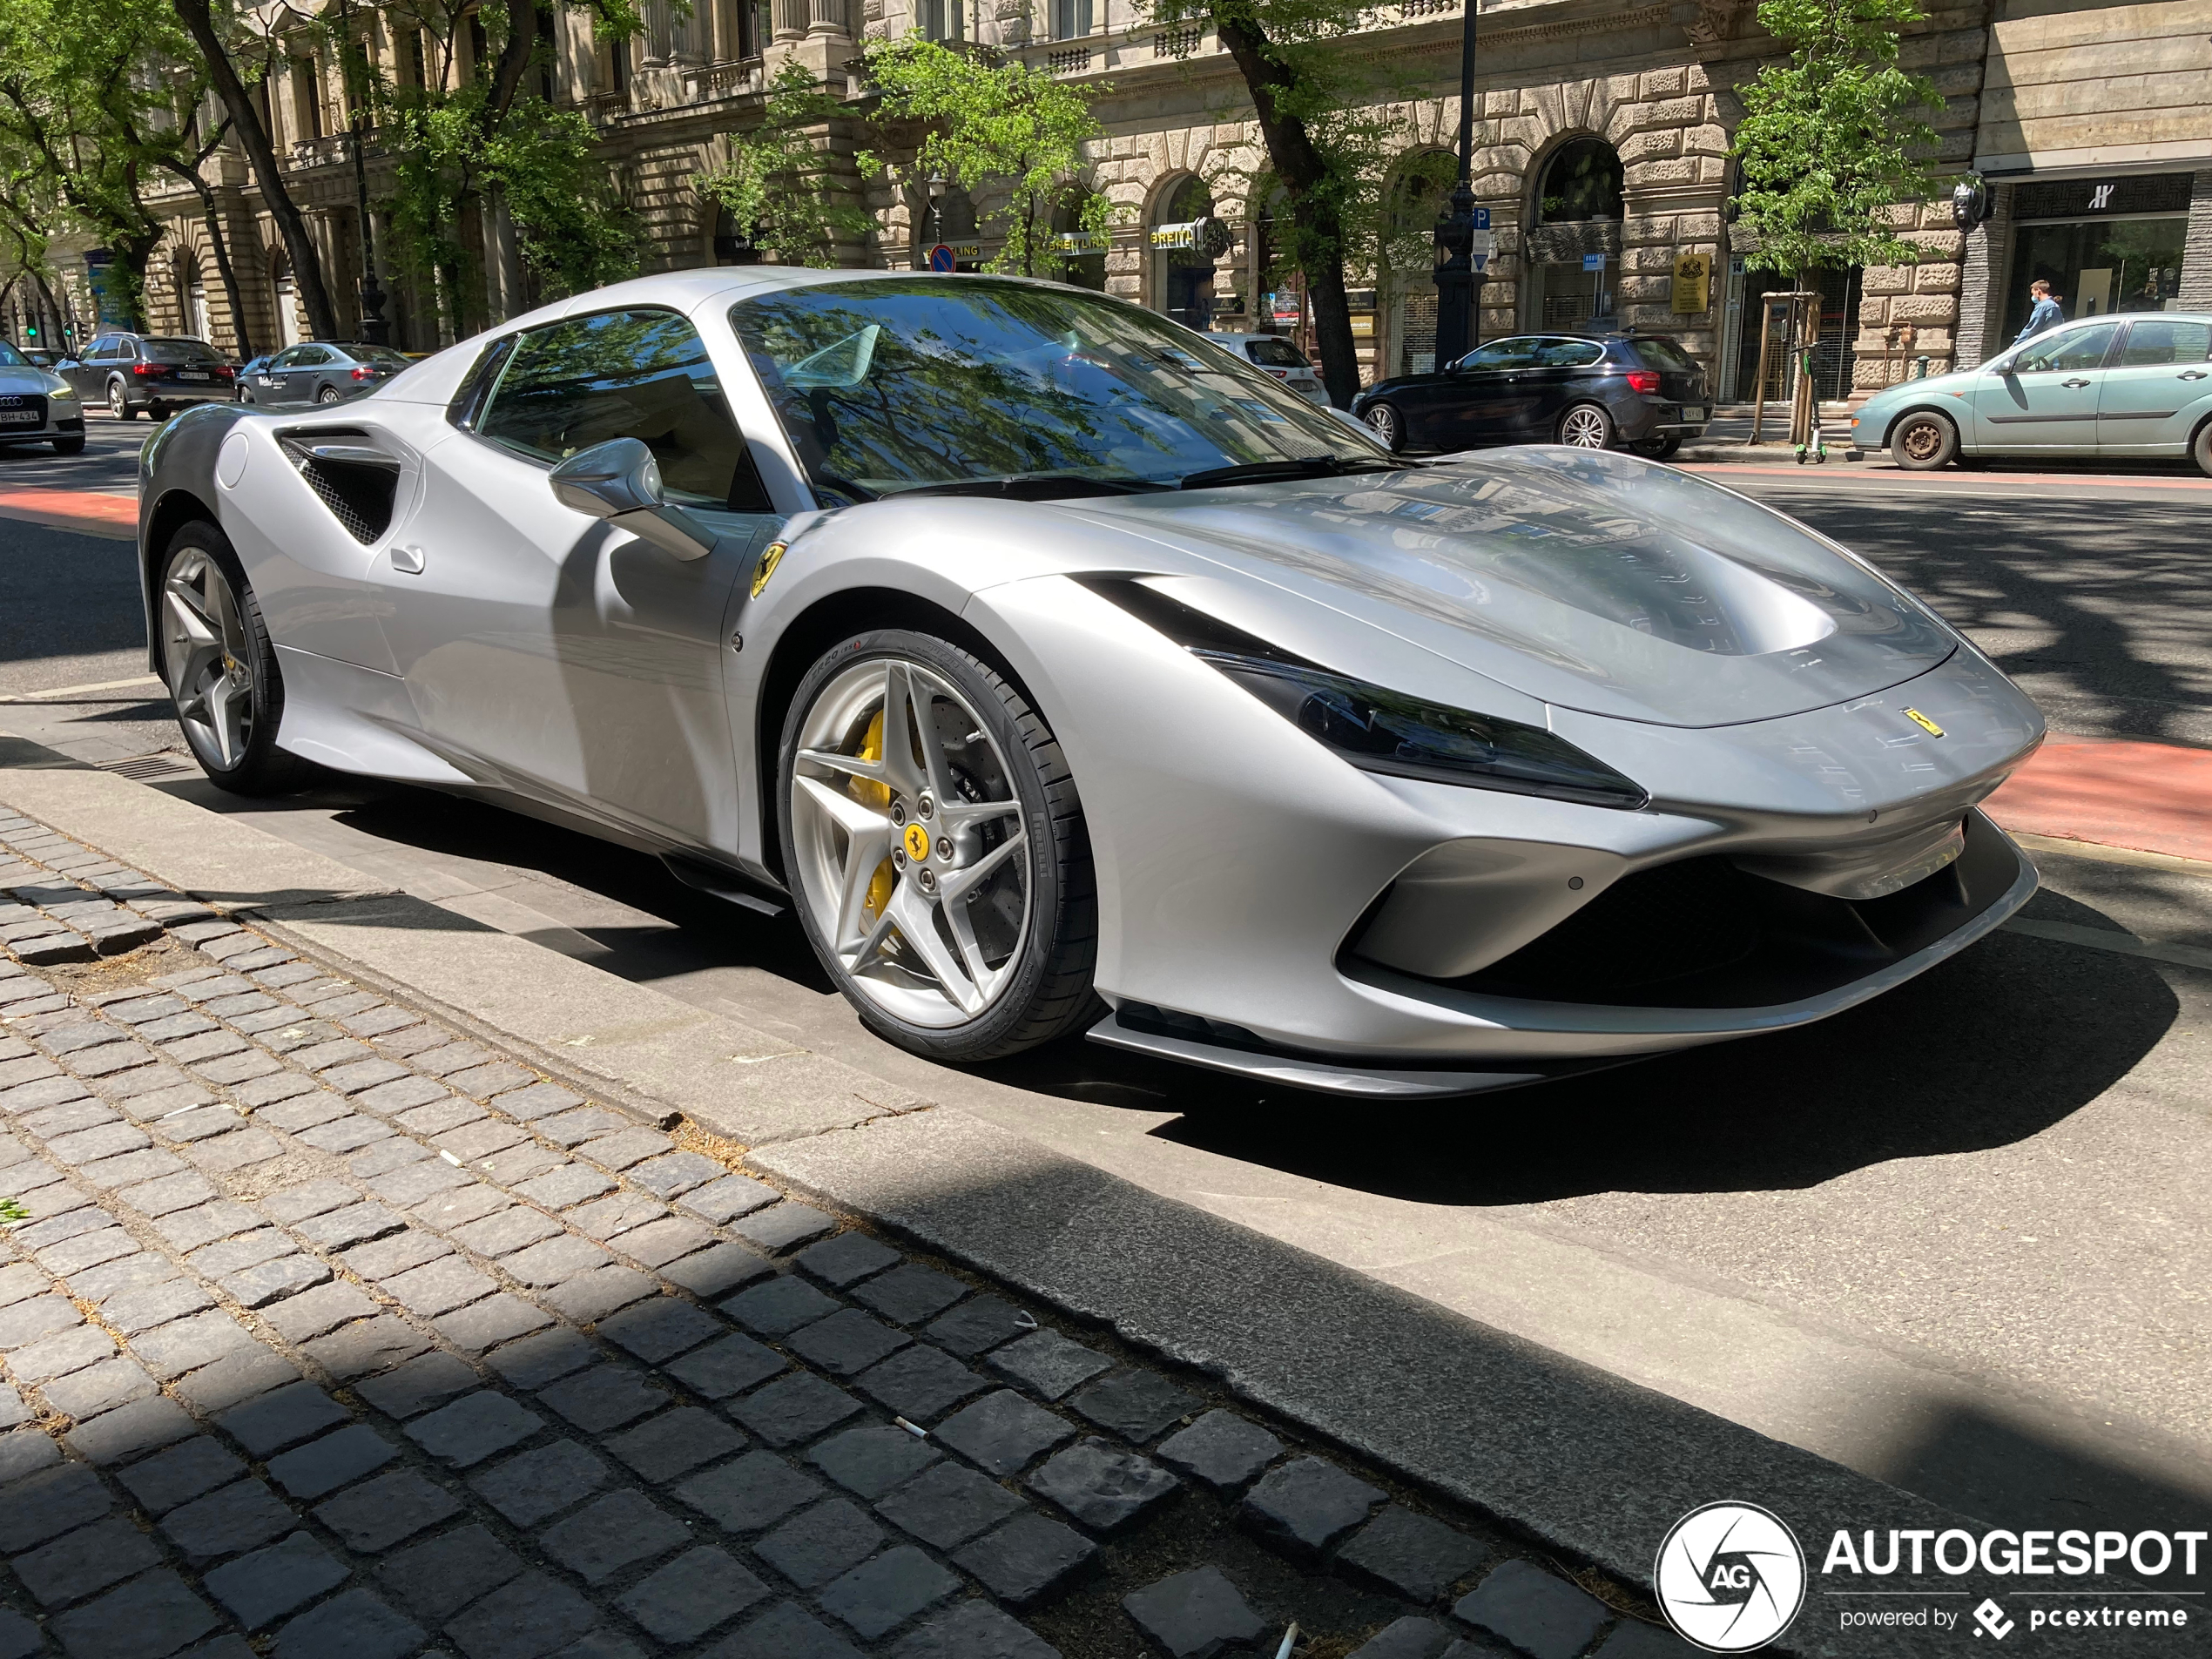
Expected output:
(334, 1334)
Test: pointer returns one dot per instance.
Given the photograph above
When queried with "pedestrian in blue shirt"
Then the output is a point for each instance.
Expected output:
(2046, 314)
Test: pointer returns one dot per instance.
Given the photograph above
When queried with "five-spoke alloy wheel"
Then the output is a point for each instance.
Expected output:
(219, 666)
(932, 839)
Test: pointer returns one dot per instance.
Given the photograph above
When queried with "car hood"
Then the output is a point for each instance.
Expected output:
(1589, 579)
(27, 381)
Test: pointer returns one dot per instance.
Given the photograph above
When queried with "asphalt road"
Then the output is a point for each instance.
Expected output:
(1957, 1238)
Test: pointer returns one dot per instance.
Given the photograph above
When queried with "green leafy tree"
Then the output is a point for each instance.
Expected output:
(1012, 132)
(778, 183)
(473, 135)
(1326, 138)
(1834, 138)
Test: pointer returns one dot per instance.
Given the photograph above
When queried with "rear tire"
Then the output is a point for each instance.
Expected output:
(1924, 440)
(1659, 449)
(1385, 422)
(1586, 425)
(220, 667)
(328, 394)
(1006, 955)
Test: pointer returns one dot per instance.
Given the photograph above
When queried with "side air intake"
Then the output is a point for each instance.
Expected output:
(355, 481)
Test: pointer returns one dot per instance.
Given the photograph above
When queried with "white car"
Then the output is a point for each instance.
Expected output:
(38, 406)
(1278, 357)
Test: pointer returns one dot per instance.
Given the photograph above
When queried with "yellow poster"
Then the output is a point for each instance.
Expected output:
(1693, 282)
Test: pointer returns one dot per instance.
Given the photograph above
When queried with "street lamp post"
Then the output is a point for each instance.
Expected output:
(1457, 281)
(375, 330)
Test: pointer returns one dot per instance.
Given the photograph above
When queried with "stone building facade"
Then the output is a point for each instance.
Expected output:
(1600, 153)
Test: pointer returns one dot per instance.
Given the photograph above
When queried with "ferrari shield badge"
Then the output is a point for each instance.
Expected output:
(770, 556)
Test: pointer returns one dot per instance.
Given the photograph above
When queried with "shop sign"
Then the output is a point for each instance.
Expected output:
(1208, 236)
(1083, 241)
(1693, 283)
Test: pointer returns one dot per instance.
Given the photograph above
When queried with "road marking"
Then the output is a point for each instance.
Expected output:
(62, 693)
(2116, 791)
(2066, 933)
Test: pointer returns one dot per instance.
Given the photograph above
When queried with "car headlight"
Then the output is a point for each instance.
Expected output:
(63, 390)
(1387, 731)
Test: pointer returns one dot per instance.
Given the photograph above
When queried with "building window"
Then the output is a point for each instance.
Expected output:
(411, 60)
(1070, 19)
(943, 20)
(619, 62)
(307, 99)
(1185, 253)
(2102, 245)
(1574, 246)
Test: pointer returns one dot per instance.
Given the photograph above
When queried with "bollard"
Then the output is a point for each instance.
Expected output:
(1922, 374)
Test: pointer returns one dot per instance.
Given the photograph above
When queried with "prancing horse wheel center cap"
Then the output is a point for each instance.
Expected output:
(917, 842)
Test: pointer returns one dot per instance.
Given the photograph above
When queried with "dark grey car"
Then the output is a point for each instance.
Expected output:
(156, 373)
(321, 371)
(1636, 391)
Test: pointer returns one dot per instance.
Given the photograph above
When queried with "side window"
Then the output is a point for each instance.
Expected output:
(1501, 354)
(309, 356)
(2079, 349)
(1558, 353)
(2151, 343)
(285, 358)
(642, 374)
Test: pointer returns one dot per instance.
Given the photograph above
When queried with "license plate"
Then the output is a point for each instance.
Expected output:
(194, 374)
(18, 417)
(1693, 412)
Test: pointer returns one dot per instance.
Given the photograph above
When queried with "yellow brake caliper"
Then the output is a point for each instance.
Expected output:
(870, 793)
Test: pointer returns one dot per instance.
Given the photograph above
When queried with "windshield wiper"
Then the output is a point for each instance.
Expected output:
(1036, 487)
(1258, 472)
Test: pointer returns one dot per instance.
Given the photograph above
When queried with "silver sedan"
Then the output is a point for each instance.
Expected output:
(1065, 673)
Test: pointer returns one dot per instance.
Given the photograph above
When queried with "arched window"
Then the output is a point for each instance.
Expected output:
(1185, 246)
(732, 244)
(1581, 181)
(1085, 266)
(1573, 247)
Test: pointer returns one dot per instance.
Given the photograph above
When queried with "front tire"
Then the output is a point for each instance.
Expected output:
(935, 843)
(220, 668)
(1384, 420)
(1924, 440)
(2200, 449)
(119, 404)
(1586, 425)
(69, 446)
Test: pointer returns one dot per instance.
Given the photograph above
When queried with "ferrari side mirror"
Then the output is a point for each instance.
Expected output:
(619, 481)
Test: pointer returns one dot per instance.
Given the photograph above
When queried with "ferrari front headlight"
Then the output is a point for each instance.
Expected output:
(1386, 732)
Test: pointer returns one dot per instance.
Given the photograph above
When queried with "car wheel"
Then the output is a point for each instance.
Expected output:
(1586, 425)
(2200, 449)
(1387, 424)
(328, 394)
(69, 446)
(934, 841)
(220, 668)
(118, 404)
(1924, 440)
(1660, 448)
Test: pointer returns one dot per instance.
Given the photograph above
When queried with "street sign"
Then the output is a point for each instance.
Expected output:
(1480, 261)
(1482, 218)
(1594, 261)
(942, 258)
(1486, 243)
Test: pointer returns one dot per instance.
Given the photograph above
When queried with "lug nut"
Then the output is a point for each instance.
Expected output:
(899, 812)
(899, 858)
(929, 880)
(928, 806)
(945, 848)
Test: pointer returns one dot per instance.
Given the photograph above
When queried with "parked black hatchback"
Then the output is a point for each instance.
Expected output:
(1597, 391)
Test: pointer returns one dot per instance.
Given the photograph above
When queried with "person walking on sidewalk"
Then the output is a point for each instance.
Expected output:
(2046, 315)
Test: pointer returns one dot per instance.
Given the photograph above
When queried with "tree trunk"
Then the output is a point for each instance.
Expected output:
(216, 239)
(307, 261)
(1303, 172)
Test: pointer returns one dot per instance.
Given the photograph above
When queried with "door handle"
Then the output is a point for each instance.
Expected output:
(2192, 374)
(408, 561)
(2076, 382)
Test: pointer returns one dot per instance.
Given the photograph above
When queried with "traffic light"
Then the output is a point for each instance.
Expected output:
(32, 329)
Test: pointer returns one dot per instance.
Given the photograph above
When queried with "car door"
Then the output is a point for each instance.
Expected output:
(1475, 407)
(301, 376)
(550, 650)
(2156, 389)
(2044, 395)
(89, 376)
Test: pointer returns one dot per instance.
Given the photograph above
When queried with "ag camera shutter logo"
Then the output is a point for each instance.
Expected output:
(1731, 1577)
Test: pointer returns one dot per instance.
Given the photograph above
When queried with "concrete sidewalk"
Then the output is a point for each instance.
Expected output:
(1590, 1467)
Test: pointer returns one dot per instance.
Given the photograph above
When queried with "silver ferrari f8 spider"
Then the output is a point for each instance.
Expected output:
(1063, 671)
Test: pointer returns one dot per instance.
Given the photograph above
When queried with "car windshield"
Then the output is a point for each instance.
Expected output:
(179, 351)
(925, 382)
(1665, 354)
(11, 358)
(1275, 353)
(383, 355)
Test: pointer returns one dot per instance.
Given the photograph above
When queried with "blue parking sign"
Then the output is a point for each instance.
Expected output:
(1594, 261)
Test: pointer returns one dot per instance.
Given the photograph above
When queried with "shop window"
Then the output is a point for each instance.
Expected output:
(1184, 273)
(2098, 267)
(1084, 266)
(1574, 245)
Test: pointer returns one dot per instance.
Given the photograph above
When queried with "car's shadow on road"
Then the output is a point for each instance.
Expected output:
(1987, 1049)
